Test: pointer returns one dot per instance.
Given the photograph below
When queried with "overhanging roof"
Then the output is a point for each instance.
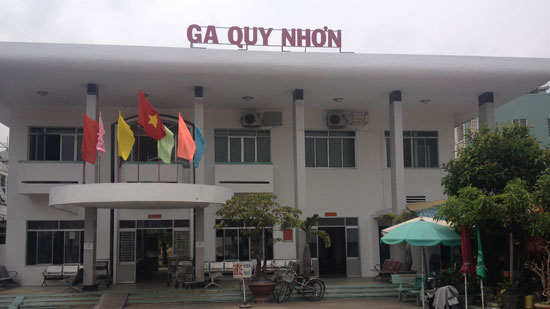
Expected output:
(453, 83)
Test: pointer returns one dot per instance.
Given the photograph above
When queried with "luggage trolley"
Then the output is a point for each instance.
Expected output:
(180, 271)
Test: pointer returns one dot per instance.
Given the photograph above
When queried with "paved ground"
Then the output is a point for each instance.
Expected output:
(324, 304)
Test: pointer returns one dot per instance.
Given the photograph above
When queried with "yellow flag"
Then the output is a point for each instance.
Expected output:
(125, 138)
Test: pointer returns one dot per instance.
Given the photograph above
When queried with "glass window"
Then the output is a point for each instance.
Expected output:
(330, 149)
(3, 227)
(242, 146)
(54, 242)
(148, 147)
(268, 244)
(235, 150)
(249, 149)
(353, 242)
(231, 242)
(55, 144)
(44, 248)
(72, 247)
(219, 246)
(420, 149)
(244, 247)
(31, 248)
(321, 155)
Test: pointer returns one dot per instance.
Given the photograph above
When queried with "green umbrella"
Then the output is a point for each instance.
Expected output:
(422, 233)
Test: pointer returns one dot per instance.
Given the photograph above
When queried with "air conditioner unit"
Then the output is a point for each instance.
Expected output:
(336, 120)
(251, 119)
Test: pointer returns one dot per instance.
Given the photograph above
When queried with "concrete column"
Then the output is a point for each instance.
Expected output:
(396, 152)
(199, 179)
(90, 214)
(486, 110)
(299, 166)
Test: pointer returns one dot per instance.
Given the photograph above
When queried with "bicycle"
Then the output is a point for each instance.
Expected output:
(312, 289)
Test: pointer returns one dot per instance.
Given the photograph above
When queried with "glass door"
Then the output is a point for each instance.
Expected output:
(126, 268)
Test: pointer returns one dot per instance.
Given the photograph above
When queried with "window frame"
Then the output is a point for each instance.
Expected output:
(77, 131)
(250, 253)
(242, 139)
(413, 135)
(52, 231)
(331, 135)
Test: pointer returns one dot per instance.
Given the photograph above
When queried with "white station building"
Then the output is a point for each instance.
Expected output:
(346, 136)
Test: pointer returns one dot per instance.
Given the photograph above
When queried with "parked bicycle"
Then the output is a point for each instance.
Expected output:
(288, 281)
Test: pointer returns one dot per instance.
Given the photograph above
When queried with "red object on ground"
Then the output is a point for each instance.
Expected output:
(467, 259)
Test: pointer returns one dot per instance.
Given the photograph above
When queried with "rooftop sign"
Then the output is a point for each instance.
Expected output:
(244, 37)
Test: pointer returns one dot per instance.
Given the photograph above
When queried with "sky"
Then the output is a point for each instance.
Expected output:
(499, 28)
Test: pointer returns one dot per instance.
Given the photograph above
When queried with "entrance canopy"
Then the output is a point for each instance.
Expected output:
(139, 195)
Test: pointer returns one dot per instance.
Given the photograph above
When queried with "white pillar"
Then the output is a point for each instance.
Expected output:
(486, 110)
(396, 152)
(199, 179)
(90, 214)
(299, 166)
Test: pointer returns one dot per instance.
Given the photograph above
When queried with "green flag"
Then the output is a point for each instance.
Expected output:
(480, 262)
(165, 146)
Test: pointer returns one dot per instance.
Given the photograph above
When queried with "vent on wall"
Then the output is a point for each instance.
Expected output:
(415, 198)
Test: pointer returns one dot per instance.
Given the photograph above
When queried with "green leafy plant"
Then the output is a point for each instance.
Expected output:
(541, 267)
(309, 226)
(258, 211)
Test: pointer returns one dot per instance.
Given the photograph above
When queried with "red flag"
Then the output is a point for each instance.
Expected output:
(186, 145)
(149, 119)
(89, 139)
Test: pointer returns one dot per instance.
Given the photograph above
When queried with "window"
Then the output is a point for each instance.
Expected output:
(420, 149)
(548, 125)
(232, 245)
(148, 147)
(520, 121)
(3, 228)
(55, 144)
(242, 146)
(330, 149)
(55, 242)
(3, 189)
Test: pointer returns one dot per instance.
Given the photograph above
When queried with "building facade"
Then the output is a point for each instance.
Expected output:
(345, 136)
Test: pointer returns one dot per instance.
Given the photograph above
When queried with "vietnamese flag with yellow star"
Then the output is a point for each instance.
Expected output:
(149, 119)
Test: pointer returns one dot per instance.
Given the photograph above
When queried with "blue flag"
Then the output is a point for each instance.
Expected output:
(199, 142)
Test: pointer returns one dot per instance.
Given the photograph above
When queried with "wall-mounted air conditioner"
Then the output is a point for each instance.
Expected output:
(337, 120)
(251, 119)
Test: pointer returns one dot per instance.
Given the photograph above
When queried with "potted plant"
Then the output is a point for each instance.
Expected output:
(541, 267)
(258, 211)
(309, 227)
(508, 294)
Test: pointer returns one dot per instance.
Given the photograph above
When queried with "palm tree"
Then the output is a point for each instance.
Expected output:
(309, 226)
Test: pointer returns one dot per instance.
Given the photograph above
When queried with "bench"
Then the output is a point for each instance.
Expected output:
(7, 277)
(387, 269)
(408, 284)
(53, 272)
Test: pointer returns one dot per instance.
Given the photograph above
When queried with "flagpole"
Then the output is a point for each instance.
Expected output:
(139, 138)
(118, 168)
(158, 165)
(177, 170)
(84, 172)
(99, 169)
(482, 298)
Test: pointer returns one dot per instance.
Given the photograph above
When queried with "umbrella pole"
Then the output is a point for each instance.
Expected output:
(422, 287)
(465, 292)
(482, 298)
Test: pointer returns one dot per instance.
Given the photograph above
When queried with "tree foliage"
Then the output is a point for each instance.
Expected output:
(258, 211)
(491, 159)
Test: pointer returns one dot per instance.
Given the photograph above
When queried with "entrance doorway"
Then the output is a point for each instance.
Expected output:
(153, 247)
(145, 248)
(332, 261)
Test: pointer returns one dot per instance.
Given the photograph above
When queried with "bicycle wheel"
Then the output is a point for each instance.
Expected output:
(281, 292)
(314, 290)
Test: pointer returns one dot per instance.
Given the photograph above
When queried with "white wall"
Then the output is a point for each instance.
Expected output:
(351, 192)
